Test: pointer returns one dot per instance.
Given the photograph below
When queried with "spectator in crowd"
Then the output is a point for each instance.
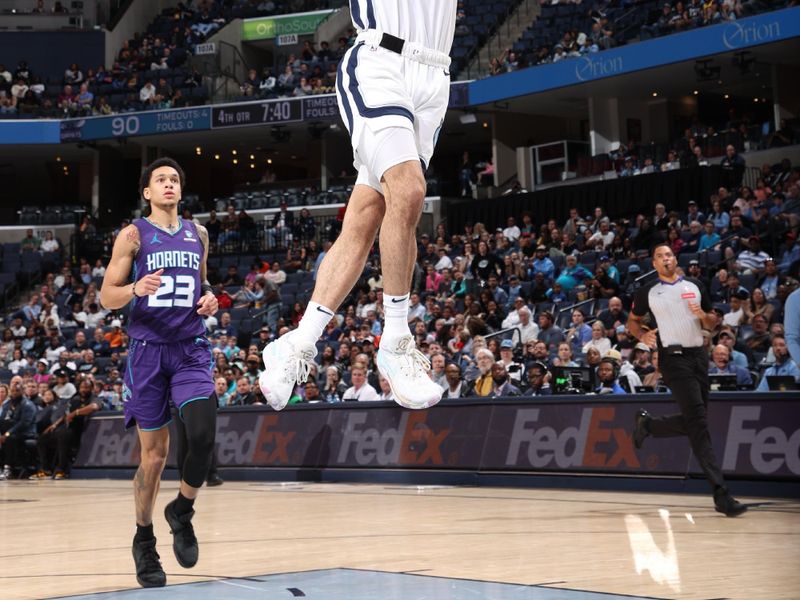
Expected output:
(482, 384)
(502, 385)
(60, 440)
(612, 317)
(244, 395)
(710, 239)
(727, 337)
(280, 231)
(360, 390)
(64, 389)
(539, 378)
(598, 339)
(607, 375)
(17, 425)
(30, 243)
(147, 95)
(784, 365)
(721, 364)
(454, 386)
(333, 389)
(549, 333)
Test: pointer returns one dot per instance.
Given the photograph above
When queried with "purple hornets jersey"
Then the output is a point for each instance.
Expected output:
(169, 315)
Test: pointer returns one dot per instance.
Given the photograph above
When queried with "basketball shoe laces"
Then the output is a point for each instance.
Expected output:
(414, 360)
(299, 369)
(150, 556)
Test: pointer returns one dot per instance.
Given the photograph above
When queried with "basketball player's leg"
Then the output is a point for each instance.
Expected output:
(400, 165)
(191, 388)
(398, 359)
(344, 262)
(146, 481)
(154, 449)
(338, 272)
(404, 191)
(145, 405)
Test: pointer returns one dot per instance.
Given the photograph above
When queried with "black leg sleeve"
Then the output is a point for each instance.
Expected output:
(181, 445)
(200, 420)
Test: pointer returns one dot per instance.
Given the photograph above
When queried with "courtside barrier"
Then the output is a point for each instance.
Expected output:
(756, 436)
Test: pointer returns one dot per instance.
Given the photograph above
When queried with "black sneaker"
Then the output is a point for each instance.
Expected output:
(184, 542)
(214, 480)
(148, 566)
(640, 431)
(726, 504)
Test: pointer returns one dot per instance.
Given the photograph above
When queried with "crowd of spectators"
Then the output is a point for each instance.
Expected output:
(313, 71)
(582, 28)
(495, 310)
(150, 69)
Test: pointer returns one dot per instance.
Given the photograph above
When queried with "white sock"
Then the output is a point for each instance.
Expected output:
(395, 310)
(313, 323)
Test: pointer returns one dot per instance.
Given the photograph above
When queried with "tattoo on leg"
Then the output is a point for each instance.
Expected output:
(138, 479)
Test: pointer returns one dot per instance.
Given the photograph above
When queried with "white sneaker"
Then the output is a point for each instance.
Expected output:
(286, 363)
(5, 473)
(406, 370)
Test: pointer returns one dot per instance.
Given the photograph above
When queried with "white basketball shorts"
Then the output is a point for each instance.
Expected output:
(393, 105)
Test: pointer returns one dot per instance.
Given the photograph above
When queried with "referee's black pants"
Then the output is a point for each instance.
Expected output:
(687, 376)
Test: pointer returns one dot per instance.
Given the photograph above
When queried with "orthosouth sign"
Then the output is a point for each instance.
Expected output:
(267, 28)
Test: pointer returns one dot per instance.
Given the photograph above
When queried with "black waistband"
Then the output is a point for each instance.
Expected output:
(677, 350)
(392, 43)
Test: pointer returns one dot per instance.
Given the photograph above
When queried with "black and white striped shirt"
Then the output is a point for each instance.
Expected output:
(668, 305)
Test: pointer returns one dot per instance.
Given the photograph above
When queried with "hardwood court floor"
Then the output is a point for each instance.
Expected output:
(61, 538)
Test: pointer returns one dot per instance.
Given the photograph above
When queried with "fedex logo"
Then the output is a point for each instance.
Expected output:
(411, 443)
(113, 449)
(263, 444)
(592, 444)
(770, 447)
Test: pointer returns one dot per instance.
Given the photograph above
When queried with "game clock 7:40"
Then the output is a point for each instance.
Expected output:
(242, 115)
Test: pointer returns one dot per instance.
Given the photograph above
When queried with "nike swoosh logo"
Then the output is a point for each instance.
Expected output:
(322, 310)
(403, 299)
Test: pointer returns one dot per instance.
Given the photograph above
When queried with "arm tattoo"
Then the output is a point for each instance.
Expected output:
(203, 233)
(132, 236)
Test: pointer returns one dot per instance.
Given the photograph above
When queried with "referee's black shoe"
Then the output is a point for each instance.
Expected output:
(726, 504)
(149, 572)
(640, 429)
(184, 542)
(214, 480)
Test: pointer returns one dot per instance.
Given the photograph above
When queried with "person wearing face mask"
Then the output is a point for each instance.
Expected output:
(721, 364)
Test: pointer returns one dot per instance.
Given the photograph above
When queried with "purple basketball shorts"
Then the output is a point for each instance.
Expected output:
(157, 372)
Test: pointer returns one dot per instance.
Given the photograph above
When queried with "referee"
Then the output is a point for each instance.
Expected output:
(680, 308)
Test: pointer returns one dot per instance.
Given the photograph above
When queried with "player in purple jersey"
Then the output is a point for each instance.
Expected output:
(168, 357)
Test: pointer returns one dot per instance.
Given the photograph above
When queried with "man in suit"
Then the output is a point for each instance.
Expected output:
(502, 386)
